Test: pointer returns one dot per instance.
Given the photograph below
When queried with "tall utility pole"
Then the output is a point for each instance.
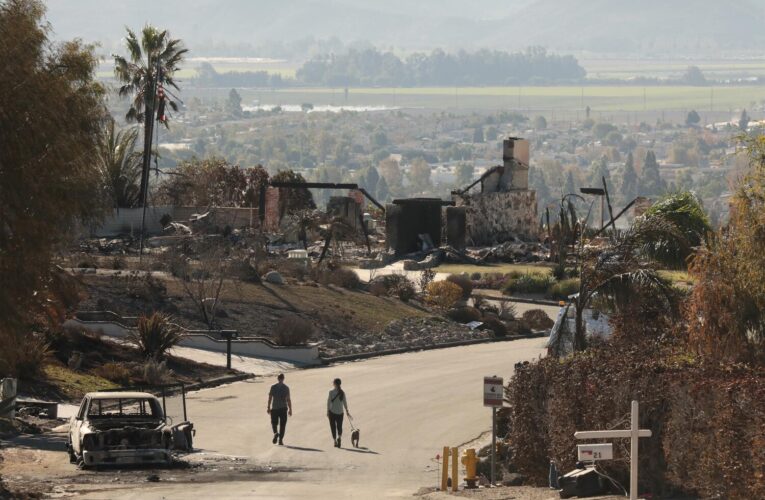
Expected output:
(148, 135)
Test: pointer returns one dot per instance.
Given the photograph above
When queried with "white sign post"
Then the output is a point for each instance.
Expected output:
(633, 433)
(493, 396)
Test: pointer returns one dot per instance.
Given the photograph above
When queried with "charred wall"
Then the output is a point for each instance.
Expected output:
(493, 218)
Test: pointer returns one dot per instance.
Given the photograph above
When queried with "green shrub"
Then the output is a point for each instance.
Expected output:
(528, 283)
(443, 294)
(293, 331)
(464, 314)
(562, 289)
(463, 282)
(475, 276)
(155, 335)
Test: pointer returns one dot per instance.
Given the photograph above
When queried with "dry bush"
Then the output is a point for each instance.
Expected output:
(146, 287)
(495, 325)
(287, 268)
(293, 331)
(155, 335)
(156, 372)
(404, 290)
(463, 282)
(537, 319)
(115, 372)
(706, 419)
(378, 289)
(443, 294)
(426, 278)
(339, 276)
(23, 356)
(507, 311)
(464, 314)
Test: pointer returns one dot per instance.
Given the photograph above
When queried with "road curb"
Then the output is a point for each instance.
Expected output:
(445, 345)
(540, 302)
(228, 379)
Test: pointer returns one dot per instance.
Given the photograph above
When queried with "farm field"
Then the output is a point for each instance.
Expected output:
(551, 98)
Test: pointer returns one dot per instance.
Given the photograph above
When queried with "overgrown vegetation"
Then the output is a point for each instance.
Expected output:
(293, 331)
(443, 294)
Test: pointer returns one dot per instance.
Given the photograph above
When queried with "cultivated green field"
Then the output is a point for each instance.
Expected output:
(549, 98)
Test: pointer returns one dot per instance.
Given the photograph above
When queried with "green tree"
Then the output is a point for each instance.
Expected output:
(570, 186)
(684, 210)
(371, 179)
(651, 183)
(391, 172)
(599, 170)
(292, 199)
(540, 123)
(51, 116)
(152, 60)
(119, 165)
(463, 174)
(234, 104)
(601, 130)
(694, 76)
(478, 134)
(419, 174)
(693, 118)
(382, 190)
(492, 133)
(629, 187)
(743, 121)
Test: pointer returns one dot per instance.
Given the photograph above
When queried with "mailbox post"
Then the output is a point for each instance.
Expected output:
(493, 396)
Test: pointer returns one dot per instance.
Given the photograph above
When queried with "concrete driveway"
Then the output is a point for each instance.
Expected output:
(408, 406)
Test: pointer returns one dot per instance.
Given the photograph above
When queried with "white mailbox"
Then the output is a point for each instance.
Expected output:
(593, 452)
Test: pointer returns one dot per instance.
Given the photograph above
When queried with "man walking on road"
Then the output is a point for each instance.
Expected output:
(279, 406)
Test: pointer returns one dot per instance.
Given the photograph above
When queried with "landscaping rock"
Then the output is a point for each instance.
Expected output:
(513, 479)
(274, 277)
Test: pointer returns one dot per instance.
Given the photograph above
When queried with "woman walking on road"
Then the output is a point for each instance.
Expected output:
(336, 403)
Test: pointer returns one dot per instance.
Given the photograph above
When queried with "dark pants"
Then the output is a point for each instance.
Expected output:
(279, 417)
(336, 424)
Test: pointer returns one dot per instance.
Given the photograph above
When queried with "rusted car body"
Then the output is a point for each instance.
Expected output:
(113, 428)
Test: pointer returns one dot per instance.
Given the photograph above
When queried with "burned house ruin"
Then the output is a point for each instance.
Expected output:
(505, 209)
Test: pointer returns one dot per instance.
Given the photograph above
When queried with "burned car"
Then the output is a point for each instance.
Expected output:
(124, 428)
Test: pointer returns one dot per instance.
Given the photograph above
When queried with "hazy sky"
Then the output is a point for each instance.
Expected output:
(653, 28)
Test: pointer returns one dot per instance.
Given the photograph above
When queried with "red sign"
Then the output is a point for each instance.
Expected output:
(493, 391)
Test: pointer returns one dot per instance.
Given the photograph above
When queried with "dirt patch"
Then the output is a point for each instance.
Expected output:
(38, 467)
(501, 493)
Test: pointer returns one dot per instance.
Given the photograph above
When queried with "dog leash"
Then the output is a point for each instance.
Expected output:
(350, 421)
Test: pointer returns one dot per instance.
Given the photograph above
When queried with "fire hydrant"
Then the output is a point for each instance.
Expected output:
(470, 461)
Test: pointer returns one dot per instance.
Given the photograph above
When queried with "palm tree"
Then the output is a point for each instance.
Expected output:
(623, 271)
(120, 165)
(151, 62)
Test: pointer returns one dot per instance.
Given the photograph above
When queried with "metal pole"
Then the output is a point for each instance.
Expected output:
(455, 469)
(228, 351)
(634, 451)
(445, 470)
(493, 443)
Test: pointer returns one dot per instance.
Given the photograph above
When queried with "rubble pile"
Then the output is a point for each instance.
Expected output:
(403, 333)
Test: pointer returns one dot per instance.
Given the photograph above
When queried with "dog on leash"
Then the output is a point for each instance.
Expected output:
(355, 435)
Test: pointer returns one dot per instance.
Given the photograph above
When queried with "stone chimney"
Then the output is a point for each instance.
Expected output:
(515, 156)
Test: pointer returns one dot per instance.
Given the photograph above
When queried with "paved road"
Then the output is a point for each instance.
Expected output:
(409, 406)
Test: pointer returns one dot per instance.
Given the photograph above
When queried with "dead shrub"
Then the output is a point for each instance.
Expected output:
(293, 331)
(443, 294)
(155, 335)
(507, 311)
(537, 319)
(497, 327)
(23, 356)
(378, 289)
(287, 268)
(426, 278)
(463, 282)
(706, 418)
(156, 372)
(146, 287)
(114, 372)
(464, 314)
(340, 276)
(404, 290)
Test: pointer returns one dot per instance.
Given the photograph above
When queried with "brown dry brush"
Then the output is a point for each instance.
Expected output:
(708, 422)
